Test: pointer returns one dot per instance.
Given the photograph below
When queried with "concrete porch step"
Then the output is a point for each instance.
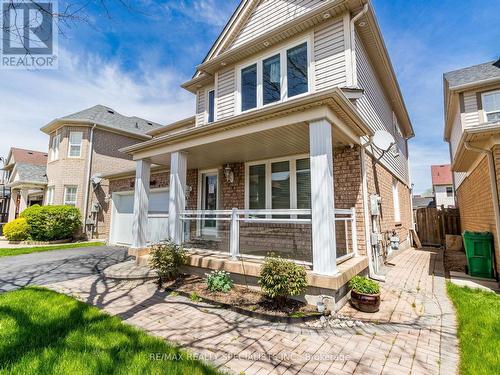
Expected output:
(129, 271)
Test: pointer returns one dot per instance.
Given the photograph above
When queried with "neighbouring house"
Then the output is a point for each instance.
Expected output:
(82, 147)
(26, 178)
(420, 201)
(4, 197)
(442, 186)
(472, 128)
(278, 156)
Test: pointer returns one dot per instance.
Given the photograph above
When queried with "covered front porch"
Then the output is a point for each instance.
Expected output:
(262, 183)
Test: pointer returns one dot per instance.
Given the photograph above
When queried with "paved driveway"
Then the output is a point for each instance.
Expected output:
(56, 266)
(414, 333)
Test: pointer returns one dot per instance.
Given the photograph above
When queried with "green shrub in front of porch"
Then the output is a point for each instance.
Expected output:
(16, 230)
(166, 258)
(281, 279)
(51, 223)
(219, 281)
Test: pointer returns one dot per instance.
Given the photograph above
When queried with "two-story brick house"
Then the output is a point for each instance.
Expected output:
(279, 155)
(472, 128)
(82, 147)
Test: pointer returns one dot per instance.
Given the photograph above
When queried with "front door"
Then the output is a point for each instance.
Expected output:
(209, 202)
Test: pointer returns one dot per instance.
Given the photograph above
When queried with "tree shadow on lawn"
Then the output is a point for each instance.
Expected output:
(47, 333)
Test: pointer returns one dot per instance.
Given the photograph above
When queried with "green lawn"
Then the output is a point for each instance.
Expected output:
(36, 249)
(478, 330)
(43, 332)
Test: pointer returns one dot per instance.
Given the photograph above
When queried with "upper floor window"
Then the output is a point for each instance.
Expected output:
(491, 106)
(275, 78)
(54, 151)
(211, 106)
(75, 144)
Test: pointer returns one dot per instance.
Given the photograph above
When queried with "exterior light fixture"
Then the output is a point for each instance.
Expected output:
(362, 24)
(229, 174)
(326, 15)
(266, 44)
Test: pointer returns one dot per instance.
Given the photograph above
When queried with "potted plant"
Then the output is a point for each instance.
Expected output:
(365, 294)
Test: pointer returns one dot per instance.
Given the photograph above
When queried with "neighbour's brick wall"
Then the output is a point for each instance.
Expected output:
(475, 201)
(380, 181)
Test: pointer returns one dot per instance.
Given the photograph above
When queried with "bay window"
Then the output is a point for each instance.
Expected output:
(491, 106)
(279, 184)
(274, 78)
(54, 152)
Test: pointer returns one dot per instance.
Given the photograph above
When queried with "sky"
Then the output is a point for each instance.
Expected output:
(133, 55)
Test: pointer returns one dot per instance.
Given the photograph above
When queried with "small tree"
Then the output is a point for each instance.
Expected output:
(166, 258)
(280, 279)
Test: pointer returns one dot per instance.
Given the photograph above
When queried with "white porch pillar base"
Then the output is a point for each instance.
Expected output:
(322, 198)
(23, 202)
(141, 204)
(12, 205)
(177, 196)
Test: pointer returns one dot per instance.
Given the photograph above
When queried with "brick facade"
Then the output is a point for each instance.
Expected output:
(475, 201)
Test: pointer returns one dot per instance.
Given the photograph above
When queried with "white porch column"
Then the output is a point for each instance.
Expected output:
(141, 204)
(12, 204)
(177, 197)
(23, 202)
(322, 198)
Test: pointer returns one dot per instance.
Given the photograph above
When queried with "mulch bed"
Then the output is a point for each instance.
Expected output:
(244, 300)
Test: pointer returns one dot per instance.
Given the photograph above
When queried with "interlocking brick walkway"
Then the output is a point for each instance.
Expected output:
(415, 332)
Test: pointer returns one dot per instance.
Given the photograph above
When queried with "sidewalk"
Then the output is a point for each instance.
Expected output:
(415, 332)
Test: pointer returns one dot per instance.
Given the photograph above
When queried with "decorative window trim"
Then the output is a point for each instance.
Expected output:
(267, 162)
(485, 113)
(283, 68)
(65, 201)
(74, 144)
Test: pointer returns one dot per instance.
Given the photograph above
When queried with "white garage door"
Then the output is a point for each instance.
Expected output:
(123, 216)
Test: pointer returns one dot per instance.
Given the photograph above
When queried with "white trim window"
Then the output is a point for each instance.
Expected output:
(50, 195)
(75, 144)
(449, 191)
(275, 77)
(278, 184)
(491, 105)
(395, 197)
(70, 195)
(54, 150)
(210, 106)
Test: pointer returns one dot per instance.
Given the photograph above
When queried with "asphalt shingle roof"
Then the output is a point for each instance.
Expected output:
(32, 173)
(28, 156)
(109, 117)
(472, 74)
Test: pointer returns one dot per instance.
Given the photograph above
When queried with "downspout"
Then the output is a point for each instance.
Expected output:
(87, 179)
(353, 44)
(493, 182)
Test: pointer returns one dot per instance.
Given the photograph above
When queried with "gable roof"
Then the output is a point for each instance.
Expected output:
(31, 173)
(20, 155)
(441, 174)
(473, 74)
(108, 118)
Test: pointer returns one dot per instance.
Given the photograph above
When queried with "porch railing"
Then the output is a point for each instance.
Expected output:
(255, 233)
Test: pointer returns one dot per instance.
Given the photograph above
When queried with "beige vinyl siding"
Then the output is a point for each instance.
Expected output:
(470, 116)
(374, 107)
(200, 108)
(270, 14)
(329, 55)
(226, 87)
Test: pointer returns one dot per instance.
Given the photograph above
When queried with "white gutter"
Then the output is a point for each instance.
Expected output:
(493, 183)
(353, 44)
(87, 178)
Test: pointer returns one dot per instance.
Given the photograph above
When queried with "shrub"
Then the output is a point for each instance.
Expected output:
(166, 258)
(50, 223)
(219, 281)
(16, 230)
(362, 284)
(280, 279)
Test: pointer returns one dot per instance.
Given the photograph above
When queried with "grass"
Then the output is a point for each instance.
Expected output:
(43, 332)
(478, 315)
(37, 249)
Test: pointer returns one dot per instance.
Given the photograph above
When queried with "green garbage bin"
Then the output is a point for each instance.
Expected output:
(479, 250)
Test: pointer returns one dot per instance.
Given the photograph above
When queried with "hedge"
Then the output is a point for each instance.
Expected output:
(16, 230)
(51, 223)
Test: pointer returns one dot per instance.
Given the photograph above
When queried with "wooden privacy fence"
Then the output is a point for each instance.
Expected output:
(434, 224)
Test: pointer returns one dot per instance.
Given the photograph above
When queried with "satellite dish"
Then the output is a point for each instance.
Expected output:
(383, 140)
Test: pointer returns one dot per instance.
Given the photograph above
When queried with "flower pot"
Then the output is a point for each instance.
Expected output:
(369, 303)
